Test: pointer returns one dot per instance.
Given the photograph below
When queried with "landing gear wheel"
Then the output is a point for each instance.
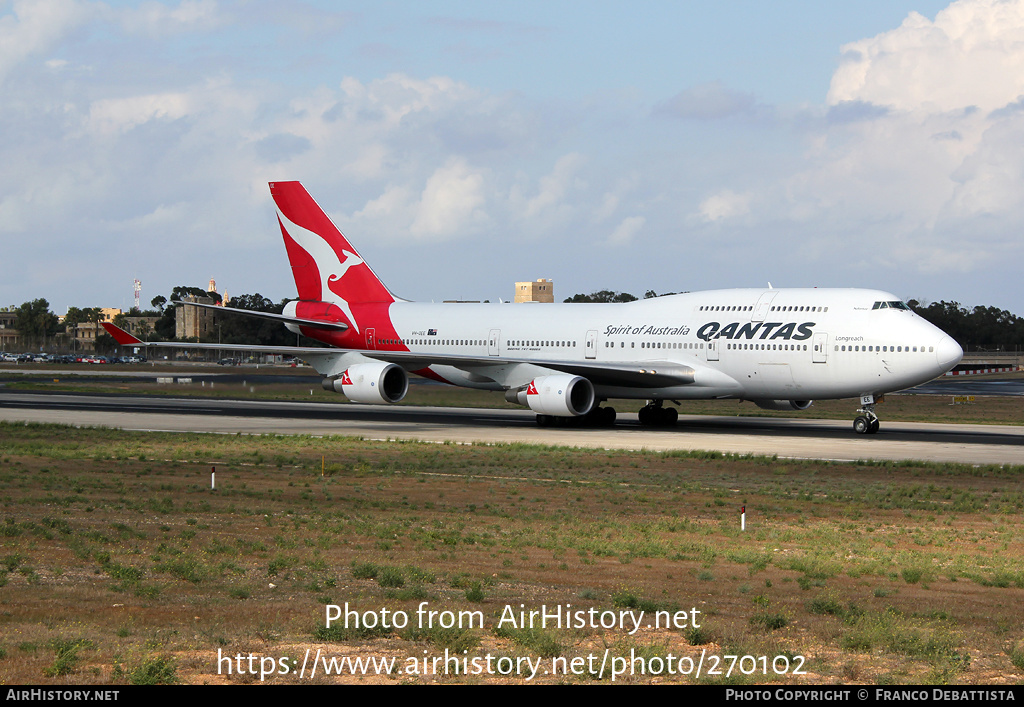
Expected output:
(646, 415)
(866, 421)
(598, 417)
(544, 420)
(655, 415)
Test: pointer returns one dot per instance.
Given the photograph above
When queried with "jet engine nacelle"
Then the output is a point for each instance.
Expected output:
(783, 404)
(377, 382)
(561, 395)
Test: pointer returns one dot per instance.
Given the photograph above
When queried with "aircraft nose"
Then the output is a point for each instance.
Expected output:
(948, 353)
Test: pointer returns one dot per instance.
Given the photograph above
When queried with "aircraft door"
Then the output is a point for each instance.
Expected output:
(761, 308)
(592, 344)
(712, 349)
(494, 342)
(371, 341)
(819, 354)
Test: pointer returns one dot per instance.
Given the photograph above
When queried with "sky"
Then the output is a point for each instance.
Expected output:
(464, 146)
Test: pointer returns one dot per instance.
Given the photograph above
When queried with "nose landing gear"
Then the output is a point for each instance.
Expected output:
(866, 423)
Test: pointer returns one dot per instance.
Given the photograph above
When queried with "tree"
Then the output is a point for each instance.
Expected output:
(143, 330)
(105, 343)
(166, 327)
(948, 316)
(603, 296)
(94, 315)
(182, 291)
(240, 329)
(36, 322)
(978, 328)
(255, 303)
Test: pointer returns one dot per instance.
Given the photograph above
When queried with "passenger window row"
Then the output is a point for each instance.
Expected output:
(767, 347)
(474, 342)
(656, 345)
(777, 308)
(542, 344)
(438, 342)
(886, 349)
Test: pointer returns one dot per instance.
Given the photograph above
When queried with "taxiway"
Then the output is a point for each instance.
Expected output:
(786, 437)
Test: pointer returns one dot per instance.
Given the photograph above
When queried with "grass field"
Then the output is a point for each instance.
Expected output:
(119, 563)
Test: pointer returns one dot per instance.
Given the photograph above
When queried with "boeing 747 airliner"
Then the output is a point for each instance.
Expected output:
(779, 348)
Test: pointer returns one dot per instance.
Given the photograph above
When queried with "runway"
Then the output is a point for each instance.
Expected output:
(788, 438)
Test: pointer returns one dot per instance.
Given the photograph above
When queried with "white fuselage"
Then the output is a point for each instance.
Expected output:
(790, 344)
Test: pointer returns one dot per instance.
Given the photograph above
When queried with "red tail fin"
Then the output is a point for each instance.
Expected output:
(325, 265)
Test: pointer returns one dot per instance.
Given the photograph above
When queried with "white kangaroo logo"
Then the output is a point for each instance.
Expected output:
(327, 263)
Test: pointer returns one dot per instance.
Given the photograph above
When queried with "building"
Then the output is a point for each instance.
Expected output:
(543, 290)
(8, 328)
(139, 325)
(85, 333)
(195, 322)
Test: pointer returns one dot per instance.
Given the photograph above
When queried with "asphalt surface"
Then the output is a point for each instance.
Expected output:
(786, 437)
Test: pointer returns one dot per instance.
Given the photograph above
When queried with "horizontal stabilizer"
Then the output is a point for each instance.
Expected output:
(125, 339)
(121, 336)
(284, 318)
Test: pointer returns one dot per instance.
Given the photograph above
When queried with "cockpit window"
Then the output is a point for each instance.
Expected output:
(891, 305)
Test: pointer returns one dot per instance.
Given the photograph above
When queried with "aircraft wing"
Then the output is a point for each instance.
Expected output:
(649, 374)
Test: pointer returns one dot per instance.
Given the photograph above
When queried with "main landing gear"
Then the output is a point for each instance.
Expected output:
(866, 423)
(655, 414)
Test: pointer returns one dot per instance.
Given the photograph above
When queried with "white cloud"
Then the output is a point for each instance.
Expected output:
(609, 203)
(155, 18)
(36, 26)
(971, 55)
(554, 187)
(918, 163)
(120, 114)
(395, 205)
(451, 202)
(160, 217)
(626, 230)
(398, 96)
(895, 173)
(724, 205)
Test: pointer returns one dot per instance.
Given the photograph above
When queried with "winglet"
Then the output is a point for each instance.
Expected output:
(121, 336)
